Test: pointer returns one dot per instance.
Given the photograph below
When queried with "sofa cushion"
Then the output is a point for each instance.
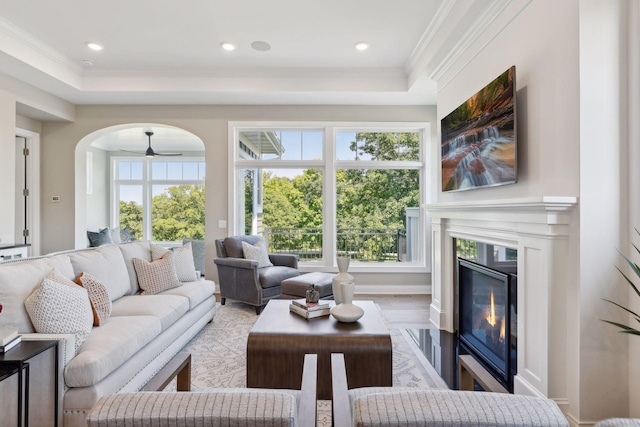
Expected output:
(272, 276)
(59, 306)
(257, 252)
(108, 347)
(140, 250)
(106, 264)
(402, 407)
(18, 281)
(167, 308)
(98, 297)
(196, 292)
(233, 245)
(100, 238)
(156, 276)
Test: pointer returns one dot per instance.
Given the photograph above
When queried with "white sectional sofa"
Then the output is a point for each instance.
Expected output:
(142, 334)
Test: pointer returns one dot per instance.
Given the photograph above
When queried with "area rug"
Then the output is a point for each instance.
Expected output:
(218, 355)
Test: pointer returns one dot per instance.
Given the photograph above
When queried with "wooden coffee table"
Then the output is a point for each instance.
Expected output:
(279, 340)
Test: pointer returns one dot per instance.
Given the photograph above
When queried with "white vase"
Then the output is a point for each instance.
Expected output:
(342, 276)
(347, 312)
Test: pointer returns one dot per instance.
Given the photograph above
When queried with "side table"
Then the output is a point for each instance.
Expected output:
(36, 366)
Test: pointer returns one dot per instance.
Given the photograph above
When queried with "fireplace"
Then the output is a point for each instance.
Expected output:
(487, 318)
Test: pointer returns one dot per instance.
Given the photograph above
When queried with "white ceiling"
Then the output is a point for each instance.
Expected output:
(168, 52)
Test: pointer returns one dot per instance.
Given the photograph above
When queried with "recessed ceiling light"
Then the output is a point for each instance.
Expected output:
(228, 46)
(94, 46)
(261, 46)
(362, 45)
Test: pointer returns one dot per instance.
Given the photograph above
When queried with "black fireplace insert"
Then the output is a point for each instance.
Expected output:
(487, 318)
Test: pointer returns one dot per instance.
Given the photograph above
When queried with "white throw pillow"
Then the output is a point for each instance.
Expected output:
(257, 252)
(185, 266)
(156, 276)
(98, 297)
(59, 306)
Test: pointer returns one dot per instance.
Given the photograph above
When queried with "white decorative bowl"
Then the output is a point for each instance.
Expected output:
(347, 313)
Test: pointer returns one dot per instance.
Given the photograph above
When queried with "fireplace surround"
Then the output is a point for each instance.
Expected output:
(541, 229)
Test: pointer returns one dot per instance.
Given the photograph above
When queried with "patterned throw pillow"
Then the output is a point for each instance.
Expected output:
(156, 276)
(59, 306)
(98, 297)
(157, 251)
(257, 252)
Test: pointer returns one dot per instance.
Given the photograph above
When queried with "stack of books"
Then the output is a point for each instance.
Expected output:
(311, 309)
(9, 338)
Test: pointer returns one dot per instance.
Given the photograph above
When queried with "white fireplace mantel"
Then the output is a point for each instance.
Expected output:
(540, 229)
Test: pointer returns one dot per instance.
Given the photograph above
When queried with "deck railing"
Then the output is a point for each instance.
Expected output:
(360, 244)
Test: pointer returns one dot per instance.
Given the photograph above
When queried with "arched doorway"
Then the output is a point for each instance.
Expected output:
(154, 197)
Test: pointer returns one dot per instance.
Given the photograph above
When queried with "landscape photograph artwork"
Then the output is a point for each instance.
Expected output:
(479, 138)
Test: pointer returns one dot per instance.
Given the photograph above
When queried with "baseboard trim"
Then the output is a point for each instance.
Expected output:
(395, 289)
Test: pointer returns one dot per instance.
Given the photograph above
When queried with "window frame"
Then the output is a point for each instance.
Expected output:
(329, 164)
(147, 184)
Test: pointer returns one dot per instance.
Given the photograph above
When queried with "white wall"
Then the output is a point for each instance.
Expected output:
(11, 92)
(542, 42)
(210, 124)
(633, 195)
(97, 203)
(603, 373)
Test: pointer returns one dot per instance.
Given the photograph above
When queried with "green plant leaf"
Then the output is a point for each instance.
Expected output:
(635, 269)
(636, 315)
(625, 329)
(633, 286)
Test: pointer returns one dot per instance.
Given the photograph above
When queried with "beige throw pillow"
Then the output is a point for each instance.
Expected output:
(59, 306)
(98, 297)
(257, 252)
(156, 276)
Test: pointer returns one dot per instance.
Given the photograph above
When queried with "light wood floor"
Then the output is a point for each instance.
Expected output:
(402, 311)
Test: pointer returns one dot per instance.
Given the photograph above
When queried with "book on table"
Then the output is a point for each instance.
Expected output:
(309, 314)
(14, 342)
(311, 306)
(7, 335)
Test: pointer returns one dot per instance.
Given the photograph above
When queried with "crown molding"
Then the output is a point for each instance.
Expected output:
(29, 50)
(441, 50)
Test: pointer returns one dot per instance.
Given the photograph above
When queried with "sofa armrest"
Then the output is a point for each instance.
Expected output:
(340, 405)
(285, 260)
(237, 263)
(307, 404)
(66, 345)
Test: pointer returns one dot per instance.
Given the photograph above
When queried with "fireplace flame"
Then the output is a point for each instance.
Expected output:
(502, 330)
(491, 318)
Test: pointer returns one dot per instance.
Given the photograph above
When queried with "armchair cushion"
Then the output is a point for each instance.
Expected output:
(397, 406)
(233, 245)
(272, 276)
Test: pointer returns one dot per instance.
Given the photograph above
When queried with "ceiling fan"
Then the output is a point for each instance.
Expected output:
(150, 152)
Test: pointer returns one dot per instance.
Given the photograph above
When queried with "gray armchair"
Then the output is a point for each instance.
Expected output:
(241, 279)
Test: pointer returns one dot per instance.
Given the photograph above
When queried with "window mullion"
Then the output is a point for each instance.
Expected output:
(329, 196)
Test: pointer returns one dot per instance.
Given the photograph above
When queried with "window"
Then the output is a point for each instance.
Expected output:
(159, 200)
(327, 190)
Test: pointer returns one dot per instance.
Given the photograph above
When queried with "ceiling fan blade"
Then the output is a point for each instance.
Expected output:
(168, 154)
(134, 152)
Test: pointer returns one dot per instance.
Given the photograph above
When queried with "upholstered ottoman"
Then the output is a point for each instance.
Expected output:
(296, 287)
